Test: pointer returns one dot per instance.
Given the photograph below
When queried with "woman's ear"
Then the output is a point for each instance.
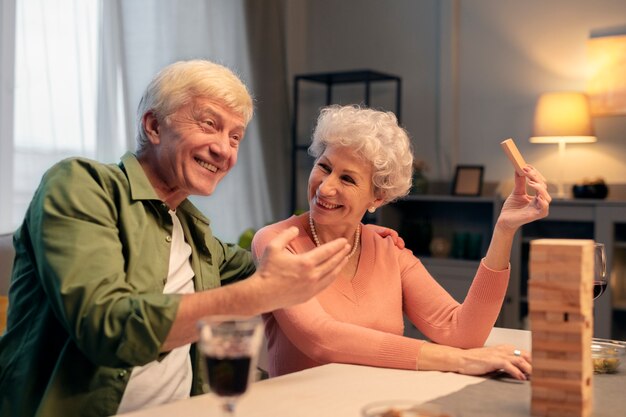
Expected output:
(378, 202)
(151, 126)
(375, 204)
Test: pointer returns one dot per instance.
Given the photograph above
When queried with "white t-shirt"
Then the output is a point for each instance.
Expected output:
(170, 379)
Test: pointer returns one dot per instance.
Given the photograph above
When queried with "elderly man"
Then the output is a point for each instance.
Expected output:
(114, 266)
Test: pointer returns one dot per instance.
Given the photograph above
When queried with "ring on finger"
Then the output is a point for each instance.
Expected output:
(517, 352)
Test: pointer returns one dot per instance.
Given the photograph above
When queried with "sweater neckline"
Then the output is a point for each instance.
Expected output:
(351, 289)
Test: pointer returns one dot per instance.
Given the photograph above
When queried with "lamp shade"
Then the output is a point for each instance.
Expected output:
(563, 117)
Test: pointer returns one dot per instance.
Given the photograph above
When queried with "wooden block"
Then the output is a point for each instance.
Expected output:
(556, 316)
(567, 385)
(568, 245)
(559, 306)
(568, 327)
(557, 346)
(572, 397)
(539, 273)
(568, 269)
(539, 374)
(578, 318)
(551, 249)
(556, 286)
(561, 271)
(543, 408)
(514, 155)
(558, 365)
(570, 262)
(555, 354)
(543, 393)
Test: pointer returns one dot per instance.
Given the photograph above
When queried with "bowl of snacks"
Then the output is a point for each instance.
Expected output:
(607, 355)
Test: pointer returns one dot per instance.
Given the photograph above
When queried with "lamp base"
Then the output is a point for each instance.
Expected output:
(560, 191)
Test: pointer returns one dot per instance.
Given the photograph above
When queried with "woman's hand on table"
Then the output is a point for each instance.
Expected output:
(476, 361)
(503, 358)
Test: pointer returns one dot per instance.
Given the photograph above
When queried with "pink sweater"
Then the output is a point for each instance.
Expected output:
(361, 321)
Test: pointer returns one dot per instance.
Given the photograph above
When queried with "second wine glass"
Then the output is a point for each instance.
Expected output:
(599, 280)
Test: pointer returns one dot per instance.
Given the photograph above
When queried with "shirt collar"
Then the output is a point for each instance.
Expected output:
(141, 188)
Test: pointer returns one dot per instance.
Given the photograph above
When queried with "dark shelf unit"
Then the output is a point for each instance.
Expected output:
(329, 80)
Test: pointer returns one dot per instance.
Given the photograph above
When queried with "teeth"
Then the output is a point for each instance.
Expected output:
(327, 205)
(206, 165)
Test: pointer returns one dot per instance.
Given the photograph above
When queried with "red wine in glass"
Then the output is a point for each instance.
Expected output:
(598, 288)
(230, 345)
(228, 377)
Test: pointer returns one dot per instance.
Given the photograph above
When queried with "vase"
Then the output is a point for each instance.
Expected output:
(420, 183)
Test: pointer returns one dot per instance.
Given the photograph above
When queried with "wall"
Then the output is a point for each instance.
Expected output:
(397, 37)
(510, 52)
(507, 53)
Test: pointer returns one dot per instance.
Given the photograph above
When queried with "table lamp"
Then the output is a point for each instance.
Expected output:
(561, 118)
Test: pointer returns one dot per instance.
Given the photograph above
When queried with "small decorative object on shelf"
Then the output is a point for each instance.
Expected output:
(440, 247)
(459, 245)
(467, 245)
(420, 182)
(595, 188)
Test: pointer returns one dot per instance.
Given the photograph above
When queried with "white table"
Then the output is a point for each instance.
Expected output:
(335, 389)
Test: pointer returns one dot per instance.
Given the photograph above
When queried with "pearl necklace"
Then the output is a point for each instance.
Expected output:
(316, 239)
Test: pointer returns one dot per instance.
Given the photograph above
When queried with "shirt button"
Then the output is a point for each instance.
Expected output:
(168, 239)
(122, 374)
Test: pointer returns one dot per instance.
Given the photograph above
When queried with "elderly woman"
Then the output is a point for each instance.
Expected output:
(363, 161)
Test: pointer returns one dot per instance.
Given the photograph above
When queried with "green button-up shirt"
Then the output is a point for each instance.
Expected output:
(86, 297)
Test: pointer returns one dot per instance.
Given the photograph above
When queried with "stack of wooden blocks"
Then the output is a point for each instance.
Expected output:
(560, 293)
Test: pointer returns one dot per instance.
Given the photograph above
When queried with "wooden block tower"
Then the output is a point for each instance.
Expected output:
(560, 292)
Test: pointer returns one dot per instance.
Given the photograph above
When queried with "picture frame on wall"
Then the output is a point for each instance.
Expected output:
(468, 180)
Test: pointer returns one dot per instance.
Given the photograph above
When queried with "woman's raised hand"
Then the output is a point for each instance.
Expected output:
(520, 207)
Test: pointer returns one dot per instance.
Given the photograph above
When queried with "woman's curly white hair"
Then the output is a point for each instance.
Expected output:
(375, 137)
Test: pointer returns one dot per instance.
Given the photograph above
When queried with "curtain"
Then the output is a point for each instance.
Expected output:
(7, 59)
(53, 93)
(157, 33)
(114, 120)
(267, 51)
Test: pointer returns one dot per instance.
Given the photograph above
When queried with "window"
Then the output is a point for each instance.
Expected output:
(55, 89)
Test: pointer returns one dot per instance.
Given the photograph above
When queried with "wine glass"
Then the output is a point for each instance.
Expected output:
(230, 345)
(599, 268)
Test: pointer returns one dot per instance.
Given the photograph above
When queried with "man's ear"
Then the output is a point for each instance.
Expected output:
(151, 126)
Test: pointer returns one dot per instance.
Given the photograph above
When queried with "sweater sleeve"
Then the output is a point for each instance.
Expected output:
(326, 340)
(441, 318)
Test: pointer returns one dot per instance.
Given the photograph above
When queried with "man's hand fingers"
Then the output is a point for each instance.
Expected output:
(330, 266)
(328, 251)
(281, 241)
